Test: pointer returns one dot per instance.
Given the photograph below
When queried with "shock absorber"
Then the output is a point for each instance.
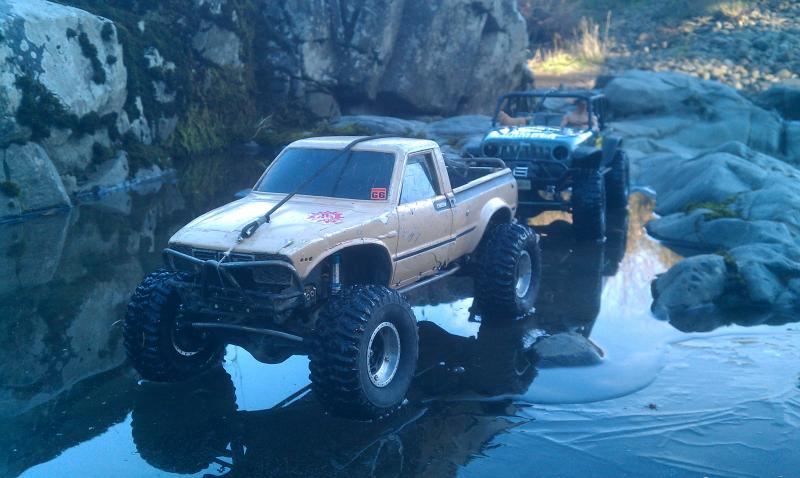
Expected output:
(336, 282)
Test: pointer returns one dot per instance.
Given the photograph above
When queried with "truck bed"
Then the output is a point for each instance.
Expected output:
(463, 171)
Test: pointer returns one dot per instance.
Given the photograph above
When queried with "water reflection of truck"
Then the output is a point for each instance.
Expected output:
(437, 432)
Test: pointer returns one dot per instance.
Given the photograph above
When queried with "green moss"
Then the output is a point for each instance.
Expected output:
(40, 109)
(215, 106)
(107, 33)
(715, 210)
(101, 154)
(196, 133)
(71, 33)
(10, 189)
(735, 279)
(90, 52)
(141, 155)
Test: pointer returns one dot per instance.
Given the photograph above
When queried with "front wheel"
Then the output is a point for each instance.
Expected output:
(159, 349)
(618, 181)
(509, 271)
(589, 205)
(363, 352)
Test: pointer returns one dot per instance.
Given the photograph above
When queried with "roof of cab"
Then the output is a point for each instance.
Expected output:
(398, 145)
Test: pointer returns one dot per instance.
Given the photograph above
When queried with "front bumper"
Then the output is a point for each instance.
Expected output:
(225, 290)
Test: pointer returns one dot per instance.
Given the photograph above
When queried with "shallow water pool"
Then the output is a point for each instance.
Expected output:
(590, 385)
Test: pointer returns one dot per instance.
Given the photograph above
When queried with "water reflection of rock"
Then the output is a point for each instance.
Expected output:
(64, 285)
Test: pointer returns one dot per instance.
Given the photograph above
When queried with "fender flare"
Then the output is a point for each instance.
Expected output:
(319, 260)
(492, 207)
(611, 144)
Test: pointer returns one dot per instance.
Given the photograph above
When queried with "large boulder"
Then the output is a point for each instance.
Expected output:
(64, 83)
(752, 281)
(792, 141)
(566, 349)
(31, 182)
(218, 45)
(783, 98)
(399, 56)
(73, 54)
(690, 287)
(734, 200)
(379, 125)
(711, 113)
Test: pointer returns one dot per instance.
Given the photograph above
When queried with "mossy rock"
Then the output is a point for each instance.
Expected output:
(10, 189)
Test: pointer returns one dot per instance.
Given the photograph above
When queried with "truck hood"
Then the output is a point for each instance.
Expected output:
(297, 223)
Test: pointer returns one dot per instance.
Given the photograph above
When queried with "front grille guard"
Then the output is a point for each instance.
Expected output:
(549, 171)
(207, 266)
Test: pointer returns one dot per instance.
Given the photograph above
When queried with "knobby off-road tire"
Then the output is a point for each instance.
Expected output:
(156, 348)
(363, 352)
(618, 181)
(589, 205)
(509, 271)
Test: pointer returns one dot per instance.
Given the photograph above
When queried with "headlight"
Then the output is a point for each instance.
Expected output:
(560, 153)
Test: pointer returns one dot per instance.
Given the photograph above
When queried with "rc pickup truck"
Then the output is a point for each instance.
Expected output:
(316, 258)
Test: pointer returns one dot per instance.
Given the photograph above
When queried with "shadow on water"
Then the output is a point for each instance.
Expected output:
(70, 406)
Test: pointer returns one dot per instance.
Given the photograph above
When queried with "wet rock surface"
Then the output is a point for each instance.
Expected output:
(701, 147)
(677, 113)
(32, 182)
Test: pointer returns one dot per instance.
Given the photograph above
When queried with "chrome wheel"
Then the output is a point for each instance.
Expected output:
(383, 354)
(524, 274)
(187, 343)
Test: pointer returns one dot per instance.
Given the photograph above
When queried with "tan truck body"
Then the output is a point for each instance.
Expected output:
(419, 238)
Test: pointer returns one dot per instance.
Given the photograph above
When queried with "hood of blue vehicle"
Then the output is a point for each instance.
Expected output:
(538, 134)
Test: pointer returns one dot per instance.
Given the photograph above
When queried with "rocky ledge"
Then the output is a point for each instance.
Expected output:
(722, 201)
(94, 93)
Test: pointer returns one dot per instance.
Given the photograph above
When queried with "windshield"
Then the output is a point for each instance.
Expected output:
(356, 175)
(546, 111)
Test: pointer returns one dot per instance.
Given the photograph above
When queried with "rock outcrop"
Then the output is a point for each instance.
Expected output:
(456, 135)
(30, 182)
(681, 114)
(161, 79)
(64, 84)
(720, 199)
(740, 211)
(411, 56)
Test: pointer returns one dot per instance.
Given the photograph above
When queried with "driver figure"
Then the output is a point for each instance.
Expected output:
(578, 118)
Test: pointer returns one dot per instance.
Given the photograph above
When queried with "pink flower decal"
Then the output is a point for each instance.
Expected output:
(326, 217)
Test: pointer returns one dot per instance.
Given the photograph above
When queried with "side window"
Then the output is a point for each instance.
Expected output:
(419, 179)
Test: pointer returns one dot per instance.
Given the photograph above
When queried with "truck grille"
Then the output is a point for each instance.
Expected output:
(209, 254)
(511, 152)
(255, 277)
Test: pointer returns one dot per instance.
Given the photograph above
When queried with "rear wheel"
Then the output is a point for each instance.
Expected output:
(157, 347)
(509, 271)
(617, 181)
(589, 204)
(363, 352)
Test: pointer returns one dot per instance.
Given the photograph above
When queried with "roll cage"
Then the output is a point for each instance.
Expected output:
(526, 103)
